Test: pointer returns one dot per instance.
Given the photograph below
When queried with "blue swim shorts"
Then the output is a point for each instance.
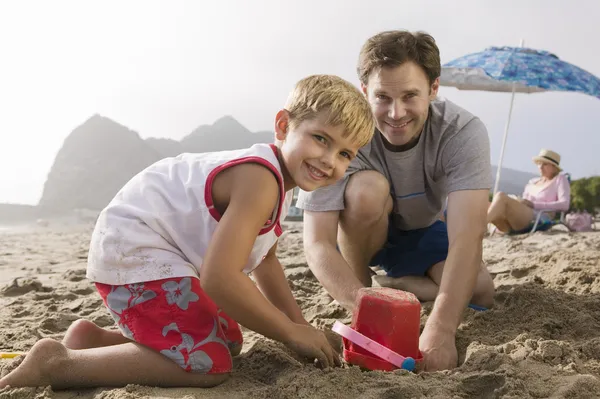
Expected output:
(412, 252)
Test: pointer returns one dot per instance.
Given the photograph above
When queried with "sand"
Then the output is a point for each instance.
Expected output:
(542, 340)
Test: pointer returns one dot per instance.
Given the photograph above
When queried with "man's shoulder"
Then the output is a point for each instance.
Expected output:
(449, 117)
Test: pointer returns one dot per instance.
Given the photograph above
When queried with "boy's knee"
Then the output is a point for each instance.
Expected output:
(83, 327)
(210, 380)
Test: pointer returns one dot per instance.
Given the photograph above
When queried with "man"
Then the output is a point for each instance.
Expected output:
(387, 210)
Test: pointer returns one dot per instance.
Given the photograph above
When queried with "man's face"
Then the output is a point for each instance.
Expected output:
(399, 97)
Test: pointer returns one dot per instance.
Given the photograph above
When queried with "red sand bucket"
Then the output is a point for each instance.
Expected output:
(389, 317)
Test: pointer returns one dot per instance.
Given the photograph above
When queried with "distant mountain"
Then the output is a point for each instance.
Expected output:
(512, 181)
(165, 147)
(95, 161)
(225, 134)
(100, 156)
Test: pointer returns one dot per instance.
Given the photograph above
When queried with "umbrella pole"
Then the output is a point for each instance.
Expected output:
(499, 169)
(512, 100)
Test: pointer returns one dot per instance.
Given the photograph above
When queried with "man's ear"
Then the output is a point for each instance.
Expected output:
(435, 86)
(363, 87)
(282, 121)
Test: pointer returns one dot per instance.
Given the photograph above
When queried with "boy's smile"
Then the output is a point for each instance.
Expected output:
(314, 153)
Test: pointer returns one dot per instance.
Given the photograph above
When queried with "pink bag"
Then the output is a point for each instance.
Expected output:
(579, 221)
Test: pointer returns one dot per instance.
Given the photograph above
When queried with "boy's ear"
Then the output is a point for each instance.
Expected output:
(282, 121)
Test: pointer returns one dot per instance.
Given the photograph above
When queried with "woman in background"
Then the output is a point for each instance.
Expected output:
(549, 192)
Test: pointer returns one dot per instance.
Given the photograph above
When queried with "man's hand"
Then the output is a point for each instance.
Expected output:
(438, 348)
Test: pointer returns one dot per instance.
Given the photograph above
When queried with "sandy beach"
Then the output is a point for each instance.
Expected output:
(542, 340)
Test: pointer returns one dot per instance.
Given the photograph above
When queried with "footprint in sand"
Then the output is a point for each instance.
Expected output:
(57, 324)
(21, 286)
(577, 386)
(19, 312)
(522, 271)
(74, 275)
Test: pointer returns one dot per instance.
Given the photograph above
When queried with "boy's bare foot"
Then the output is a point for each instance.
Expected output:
(45, 355)
(50, 363)
(83, 334)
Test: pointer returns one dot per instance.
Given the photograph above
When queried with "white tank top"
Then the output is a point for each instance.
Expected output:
(159, 225)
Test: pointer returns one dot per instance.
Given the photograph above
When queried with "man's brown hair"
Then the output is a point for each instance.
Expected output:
(394, 48)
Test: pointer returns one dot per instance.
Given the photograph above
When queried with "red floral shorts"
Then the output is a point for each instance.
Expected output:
(176, 318)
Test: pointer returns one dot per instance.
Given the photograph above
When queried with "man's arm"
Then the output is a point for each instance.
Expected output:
(325, 261)
(271, 281)
(467, 212)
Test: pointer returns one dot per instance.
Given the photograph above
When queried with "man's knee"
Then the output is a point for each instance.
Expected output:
(367, 197)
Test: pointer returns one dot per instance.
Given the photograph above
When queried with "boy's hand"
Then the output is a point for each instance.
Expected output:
(335, 340)
(309, 342)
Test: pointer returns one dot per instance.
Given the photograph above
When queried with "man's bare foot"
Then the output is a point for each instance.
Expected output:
(44, 356)
(83, 334)
(389, 282)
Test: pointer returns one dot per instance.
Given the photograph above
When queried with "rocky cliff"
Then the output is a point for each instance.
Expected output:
(100, 156)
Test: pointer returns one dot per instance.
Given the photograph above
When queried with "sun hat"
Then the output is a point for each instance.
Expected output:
(548, 156)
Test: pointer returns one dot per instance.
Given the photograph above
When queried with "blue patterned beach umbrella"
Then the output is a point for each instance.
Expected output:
(517, 70)
(497, 68)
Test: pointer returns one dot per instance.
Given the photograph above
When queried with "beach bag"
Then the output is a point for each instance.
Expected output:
(579, 221)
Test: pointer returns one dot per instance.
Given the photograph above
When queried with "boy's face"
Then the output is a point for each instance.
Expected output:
(399, 98)
(314, 154)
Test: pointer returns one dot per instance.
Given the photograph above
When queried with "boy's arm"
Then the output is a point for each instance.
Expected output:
(271, 280)
(252, 193)
(253, 196)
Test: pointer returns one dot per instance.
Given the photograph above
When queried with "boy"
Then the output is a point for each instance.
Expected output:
(171, 252)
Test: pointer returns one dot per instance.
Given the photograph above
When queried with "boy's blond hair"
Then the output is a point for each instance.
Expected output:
(341, 101)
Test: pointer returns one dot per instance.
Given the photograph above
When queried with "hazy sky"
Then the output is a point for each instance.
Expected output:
(163, 68)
